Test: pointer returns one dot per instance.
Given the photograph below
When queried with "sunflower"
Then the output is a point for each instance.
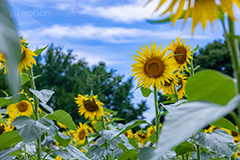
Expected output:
(91, 107)
(129, 133)
(181, 54)
(141, 137)
(2, 60)
(58, 158)
(153, 68)
(61, 125)
(169, 87)
(23, 108)
(81, 133)
(202, 11)
(4, 128)
(182, 85)
(151, 130)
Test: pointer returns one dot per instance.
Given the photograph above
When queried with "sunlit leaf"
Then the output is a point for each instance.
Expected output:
(9, 139)
(44, 95)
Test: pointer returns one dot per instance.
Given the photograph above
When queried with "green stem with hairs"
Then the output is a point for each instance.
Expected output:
(36, 105)
(157, 114)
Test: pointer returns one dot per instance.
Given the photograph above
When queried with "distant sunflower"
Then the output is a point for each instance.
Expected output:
(58, 158)
(151, 130)
(181, 54)
(182, 85)
(91, 107)
(61, 125)
(4, 128)
(153, 68)
(129, 133)
(169, 87)
(202, 11)
(23, 108)
(81, 133)
(2, 60)
(141, 137)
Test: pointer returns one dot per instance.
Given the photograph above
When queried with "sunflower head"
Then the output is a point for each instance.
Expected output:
(81, 133)
(151, 130)
(181, 54)
(129, 133)
(91, 107)
(169, 86)
(182, 84)
(153, 67)
(2, 128)
(141, 137)
(2, 60)
(22, 108)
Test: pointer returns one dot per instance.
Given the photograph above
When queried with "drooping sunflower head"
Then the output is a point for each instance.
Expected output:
(91, 107)
(141, 136)
(153, 67)
(22, 108)
(201, 12)
(169, 87)
(181, 54)
(182, 85)
(129, 133)
(81, 133)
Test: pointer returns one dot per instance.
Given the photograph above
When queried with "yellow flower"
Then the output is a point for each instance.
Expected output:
(169, 87)
(153, 68)
(23, 108)
(0, 115)
(91, 107)
(150, 130)
(2, 60)
(4, 128)
(202, 10)
(57, 144)
(181, 54)
(58, 158)
(81, 133)
(141, 137)
(61, 125)
(129, 134)
(182, 83)
(83, 150)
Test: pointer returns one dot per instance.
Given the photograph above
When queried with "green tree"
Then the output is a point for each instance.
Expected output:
(65, 75)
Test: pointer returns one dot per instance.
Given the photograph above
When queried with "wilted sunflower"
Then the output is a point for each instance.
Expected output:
(182, 85)
(81, 133)
(141, 137)
(169, 87)
(153, 67)
(180, 53)
(129, 133)
(202, 10)
(23, 108)
(91, 107)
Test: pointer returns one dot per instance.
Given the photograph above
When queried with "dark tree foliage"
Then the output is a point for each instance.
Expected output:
(214, 56)
(68, 77)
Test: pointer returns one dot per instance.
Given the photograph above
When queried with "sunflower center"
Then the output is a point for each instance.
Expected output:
(82, 134)
(90, 105)
(181, 55)
(154, 67)
(22, 106)
(2, 128)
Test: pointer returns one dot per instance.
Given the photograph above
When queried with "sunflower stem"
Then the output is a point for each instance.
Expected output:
(198, 152)
(157, 114)
(234, 52)
(36, 104)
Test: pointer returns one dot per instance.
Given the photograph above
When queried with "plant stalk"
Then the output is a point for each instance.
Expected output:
(36, 105)
(157, 114)
(198, 152)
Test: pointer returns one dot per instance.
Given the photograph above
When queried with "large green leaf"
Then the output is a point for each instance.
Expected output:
(44, 95)
(145, 153)
(4, 101)
(211, 86)
(128, 126)
(218, 141)
(24, 78)
(130, 154)
(224, 123)
(184, 148)
(9, 139)
(29, 129)
(188, 118)
(62, 139)
(62, 117)
(9, 46)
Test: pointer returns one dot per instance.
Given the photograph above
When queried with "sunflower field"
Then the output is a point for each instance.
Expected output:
(199, 120)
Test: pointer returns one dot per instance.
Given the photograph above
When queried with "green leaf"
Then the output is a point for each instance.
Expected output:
(118, 119)
(184, 148)
(159, 21)
(195, 49)
(224, 123)
(188, 118)
(153, 138)
(4, 101)
(44, 95)
(133, 142)
(146, 92)
(210, 85)
(76, 153)
(47, 107)
(62, 139)
(145, 153)
(130, 154)
(98, 126)
(9, 139)
(10, 46)
(218, 141)
(121, 146)
(128, 126)
(38, 51)
(29, 129)
(110, 111)
(24, 78)
(62, 117)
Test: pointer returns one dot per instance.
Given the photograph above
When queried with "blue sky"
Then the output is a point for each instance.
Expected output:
(103, 30)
